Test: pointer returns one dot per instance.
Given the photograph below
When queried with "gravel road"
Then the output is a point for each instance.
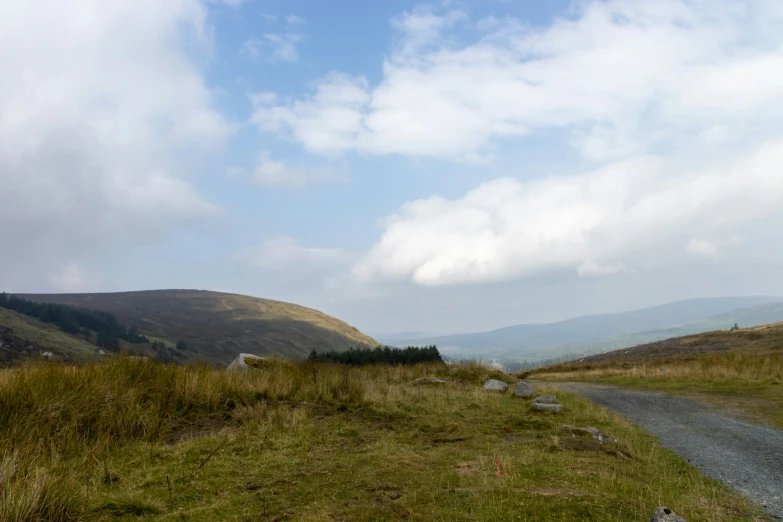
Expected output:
(746, 457)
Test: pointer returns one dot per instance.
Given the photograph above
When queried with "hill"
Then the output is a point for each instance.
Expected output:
(24, 338)
(600, 332)
(219, 325)
(741, 369)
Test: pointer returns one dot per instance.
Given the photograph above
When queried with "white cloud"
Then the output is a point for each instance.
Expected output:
(284, 253)
(103, 113)
(273, 47)
(592, 222)
(73, 278)
(295, 20)
(423, 27)
(279, 173)
(701, 248)
(591, 269)
(617, 75)
(330, 121)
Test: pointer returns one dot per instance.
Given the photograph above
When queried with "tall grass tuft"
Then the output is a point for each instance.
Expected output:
(29, 493)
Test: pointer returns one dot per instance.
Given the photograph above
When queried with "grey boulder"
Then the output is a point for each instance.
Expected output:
(495, 385)
(554, 408)
(546, 399)
(664, 514)
(524, 390)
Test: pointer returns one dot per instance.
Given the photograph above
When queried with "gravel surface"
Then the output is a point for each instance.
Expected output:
(746, 457)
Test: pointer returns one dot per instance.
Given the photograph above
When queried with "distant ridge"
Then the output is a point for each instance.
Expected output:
(606, 331)
(221, 325)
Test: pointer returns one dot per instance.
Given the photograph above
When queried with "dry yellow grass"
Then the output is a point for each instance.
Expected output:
(317, 442)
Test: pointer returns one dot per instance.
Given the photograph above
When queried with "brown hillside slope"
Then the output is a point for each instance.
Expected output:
(219, 325)
(742, 369)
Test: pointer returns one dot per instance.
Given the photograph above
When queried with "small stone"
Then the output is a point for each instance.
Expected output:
(554, 408)
(546, 399)
(495, 385)
(427, 380)
(664, 514)
(524, 390)
(591, 431)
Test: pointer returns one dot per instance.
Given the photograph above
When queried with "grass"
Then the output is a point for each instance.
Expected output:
(46, 337)
(220, 325)
(133, 439)
(741, 371)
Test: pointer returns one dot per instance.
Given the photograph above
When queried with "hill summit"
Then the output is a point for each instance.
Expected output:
(220, 325)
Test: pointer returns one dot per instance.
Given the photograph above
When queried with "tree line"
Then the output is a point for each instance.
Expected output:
(75, 320)
(380, 355)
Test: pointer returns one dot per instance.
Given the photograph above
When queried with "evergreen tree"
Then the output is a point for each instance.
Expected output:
(380, 355)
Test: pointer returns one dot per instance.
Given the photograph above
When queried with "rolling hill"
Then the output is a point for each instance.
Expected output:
(601, 332)
(23, 338)
(740, 370)
(219, 325)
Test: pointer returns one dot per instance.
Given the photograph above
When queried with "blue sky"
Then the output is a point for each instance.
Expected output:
(443, 166)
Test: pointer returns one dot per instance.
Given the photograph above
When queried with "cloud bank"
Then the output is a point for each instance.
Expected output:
(103, 113)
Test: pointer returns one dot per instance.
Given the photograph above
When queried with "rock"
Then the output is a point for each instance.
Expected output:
(546, 399)
(494, 385)
(591, 431)
(524, 390)
(664, 514)
(427, 380)
(554, 408)
(239, 363)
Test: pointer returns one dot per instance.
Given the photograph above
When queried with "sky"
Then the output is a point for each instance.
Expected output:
(440, 167)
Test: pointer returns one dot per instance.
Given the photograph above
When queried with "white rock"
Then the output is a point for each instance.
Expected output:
(239, 364)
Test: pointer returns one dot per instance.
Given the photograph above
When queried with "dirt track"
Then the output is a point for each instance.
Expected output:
(747, 457)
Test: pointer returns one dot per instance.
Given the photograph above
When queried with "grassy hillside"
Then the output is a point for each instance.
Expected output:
(24, 338)
(741, 370)
(317, 442)
(220, 326)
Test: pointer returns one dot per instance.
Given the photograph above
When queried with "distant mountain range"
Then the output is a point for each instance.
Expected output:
(596, 333)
